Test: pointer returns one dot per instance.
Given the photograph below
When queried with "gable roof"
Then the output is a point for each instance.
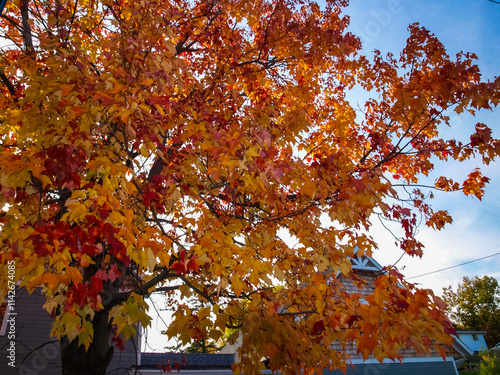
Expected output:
(366, 263)
(461, 347)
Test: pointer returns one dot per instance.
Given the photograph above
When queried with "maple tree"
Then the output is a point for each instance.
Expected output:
(207, 148)
(203, 345)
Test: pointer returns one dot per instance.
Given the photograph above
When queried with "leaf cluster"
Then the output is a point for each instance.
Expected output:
(207, 148)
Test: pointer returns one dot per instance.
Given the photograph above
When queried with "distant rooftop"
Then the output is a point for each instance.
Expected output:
(188, 361)
(469, 331)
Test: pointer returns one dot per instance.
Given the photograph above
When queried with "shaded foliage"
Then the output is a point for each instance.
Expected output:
(475, 305)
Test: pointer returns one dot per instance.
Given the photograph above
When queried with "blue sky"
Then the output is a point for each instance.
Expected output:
(469, 26)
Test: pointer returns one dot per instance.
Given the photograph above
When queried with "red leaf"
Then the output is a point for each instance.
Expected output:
(426, 341)
(193, 265)
(149, 197)
(118, 343)
(180, 265)
(448, 327)
(318, 327)
(96, 286)
(351, 319)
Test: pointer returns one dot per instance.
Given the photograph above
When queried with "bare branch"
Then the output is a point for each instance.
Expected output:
(27, 36)
(141, 290)
(166, 288)
(9, 84)
(190, 285)
(286, 313)
(12, 22)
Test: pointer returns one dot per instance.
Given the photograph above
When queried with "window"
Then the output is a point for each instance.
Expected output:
(475, 337)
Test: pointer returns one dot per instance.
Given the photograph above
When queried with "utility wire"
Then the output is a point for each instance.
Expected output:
(455, 266)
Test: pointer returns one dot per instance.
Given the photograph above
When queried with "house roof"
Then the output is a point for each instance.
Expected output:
(461, 347)
(465, 331)
(366, 263)
(205, 361)
(191, 361)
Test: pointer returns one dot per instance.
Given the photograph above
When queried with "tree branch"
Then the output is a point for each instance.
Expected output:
(141, 290)
(204, 295)
(286, 313)
(7, 83)
(166, 288)
(12, 22)
(27, 36)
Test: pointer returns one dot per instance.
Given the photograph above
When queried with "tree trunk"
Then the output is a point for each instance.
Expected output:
(76, 361)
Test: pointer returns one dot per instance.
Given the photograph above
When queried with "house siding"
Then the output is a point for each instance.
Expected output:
(367, 278)
(405, 353)
(468, 339)
(415, 368)
(188, 361)
(37, 352)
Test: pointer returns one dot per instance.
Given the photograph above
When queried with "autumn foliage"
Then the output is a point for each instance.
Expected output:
(207, 148)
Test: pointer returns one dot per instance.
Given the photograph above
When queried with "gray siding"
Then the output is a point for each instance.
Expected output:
(123, 361)
(37, 352)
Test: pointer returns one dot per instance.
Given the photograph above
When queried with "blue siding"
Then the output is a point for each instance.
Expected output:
(474, 345)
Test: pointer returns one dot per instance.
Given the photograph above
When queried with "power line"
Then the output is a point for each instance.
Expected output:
(455, 266)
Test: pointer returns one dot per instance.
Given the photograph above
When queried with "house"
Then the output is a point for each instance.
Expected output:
(369, 269)
(25, 333)
(473, 339)
(413, 363)
(220, 364)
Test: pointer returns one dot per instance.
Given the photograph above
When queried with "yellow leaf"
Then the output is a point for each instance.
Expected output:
(345, 267)
(74, 275)
(76, 212)
(116, 217)
(151, 259)
(237, 285)
(78, 194)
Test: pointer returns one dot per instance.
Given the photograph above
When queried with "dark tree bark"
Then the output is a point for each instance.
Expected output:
(76, 361)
